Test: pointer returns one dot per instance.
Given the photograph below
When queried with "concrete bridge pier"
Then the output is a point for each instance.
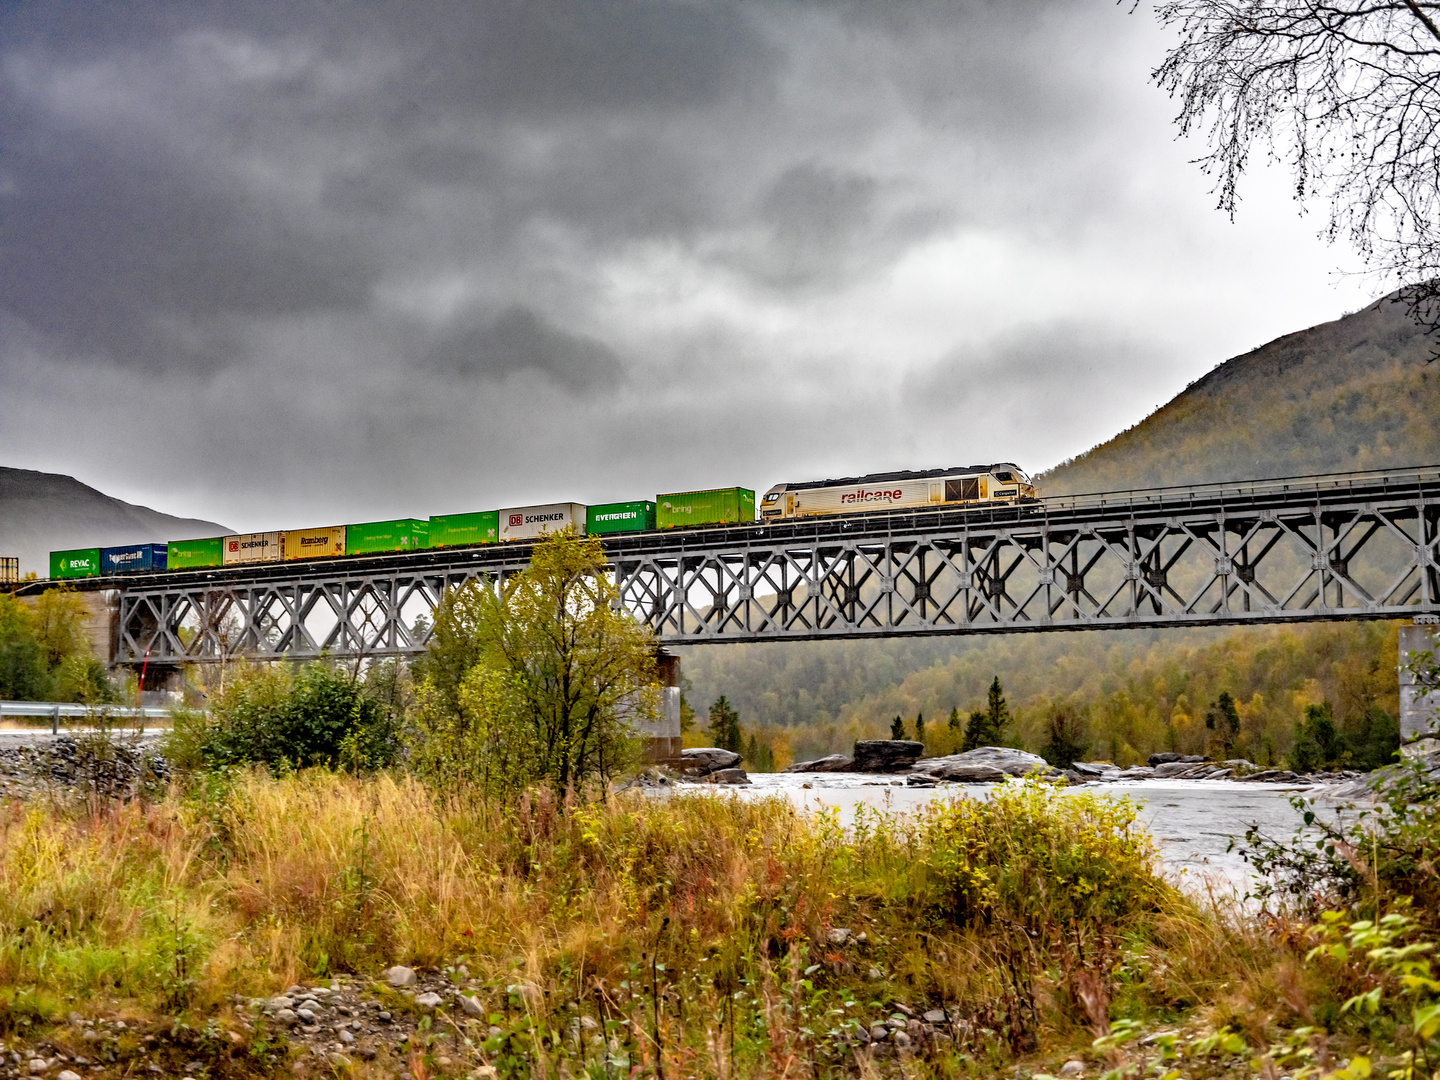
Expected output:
(663, 736)
(1419, 705)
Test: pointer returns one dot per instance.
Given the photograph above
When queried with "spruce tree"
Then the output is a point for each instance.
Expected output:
(724, 727)
(897, 728)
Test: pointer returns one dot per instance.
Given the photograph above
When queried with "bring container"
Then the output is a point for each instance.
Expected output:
(314, 543)
(195, 554)
(254, 547)
(463, 530)
(132, 559)
(716, 506)
(375, 537)
(77, 563)
(622, 517)
(529, 522)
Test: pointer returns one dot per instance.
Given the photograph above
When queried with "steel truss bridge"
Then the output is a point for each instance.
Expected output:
(1357, 546)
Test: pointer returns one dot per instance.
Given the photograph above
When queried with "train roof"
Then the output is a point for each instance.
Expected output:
(906, 474)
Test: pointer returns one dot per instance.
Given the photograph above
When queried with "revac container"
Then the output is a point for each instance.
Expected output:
(195, 554)
(622, 517)
(132, 559)
(716, 506)
(314, 543)
(372, 537)
(81, 562)
(463, 530)
(254, 547)
(529, 522)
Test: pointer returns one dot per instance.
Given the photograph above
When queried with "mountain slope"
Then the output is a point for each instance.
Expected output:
(43, 512)
(1356, 393)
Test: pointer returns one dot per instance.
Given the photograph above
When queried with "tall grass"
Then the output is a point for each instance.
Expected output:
(1013, 911)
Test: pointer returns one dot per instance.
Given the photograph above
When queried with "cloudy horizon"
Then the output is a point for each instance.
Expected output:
(279, 266)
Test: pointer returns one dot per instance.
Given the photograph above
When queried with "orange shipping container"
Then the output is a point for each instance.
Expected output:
(314, 543)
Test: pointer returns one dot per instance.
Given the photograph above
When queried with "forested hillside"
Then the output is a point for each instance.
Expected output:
(1357, 393)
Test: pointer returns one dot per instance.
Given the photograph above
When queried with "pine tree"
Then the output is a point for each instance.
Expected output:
(956, 725)
(897, 728)
(724, 727)
(999, 711)
(978, 732)
(920, 727)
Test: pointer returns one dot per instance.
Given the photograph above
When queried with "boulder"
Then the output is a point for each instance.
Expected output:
(728, 776)
(1095, 770)
(998, 759)
(400, 976)
(1170, 770)
(704, 760)
(833, 763)
(886, 755)
(1168, 758)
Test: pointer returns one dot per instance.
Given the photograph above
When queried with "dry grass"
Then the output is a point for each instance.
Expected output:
(1025, 912)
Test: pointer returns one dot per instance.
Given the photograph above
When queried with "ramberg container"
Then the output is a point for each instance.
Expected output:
(254, 547)
(314, 543)
(529, 522)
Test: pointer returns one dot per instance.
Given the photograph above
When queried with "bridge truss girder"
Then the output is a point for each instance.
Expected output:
(1333, 557)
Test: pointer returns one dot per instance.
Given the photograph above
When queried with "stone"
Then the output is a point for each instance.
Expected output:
(1169, 758)
(339, 1061)
(1172, 770)
(399, 976)
(935, 1016)
(874, 973)
(286, 1016)
(306, 1015)
(1002, 760)
(879, 1032)
(1095, 770)
(278, 1003)
(904, 1010)
(728, 776)
(704, 760)
(470, 1006)
(886, 755)
(838, 936)
(66, 1074)
(346, 1037)
(833, 763)
(38, 1065)
(1072, 1068)
(902, 1040)
(429, 1000)
(385, 1016)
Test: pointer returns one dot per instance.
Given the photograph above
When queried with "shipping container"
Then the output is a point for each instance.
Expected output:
(195, 554)
(81, 562)
(718, 506)
(254, 547)
(462, 530)
(373, 537)
(314, 543)
(621, 517)
(529, 522)
(132, 559)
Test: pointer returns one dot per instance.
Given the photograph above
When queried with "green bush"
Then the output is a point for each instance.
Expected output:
(289, 718)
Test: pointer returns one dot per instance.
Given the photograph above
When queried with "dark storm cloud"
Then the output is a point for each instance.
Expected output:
(583, 248)
(518, 340)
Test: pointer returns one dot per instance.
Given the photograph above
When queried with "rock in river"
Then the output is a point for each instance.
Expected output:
(833, 763)
(886, 755)
(985, 764)
(704, 760)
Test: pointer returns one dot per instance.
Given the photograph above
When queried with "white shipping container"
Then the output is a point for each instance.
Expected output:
(528, 522)
(253, 547)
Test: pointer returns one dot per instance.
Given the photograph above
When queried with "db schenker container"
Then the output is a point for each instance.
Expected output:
(374, 537)
(461, 530)
(132, 559)
(253, 547)
(313, 543)
(81, 562)
(195, 554)
(529, 522)
(622, 517)
(717, 506)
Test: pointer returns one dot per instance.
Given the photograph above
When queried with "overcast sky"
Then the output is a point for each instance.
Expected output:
(279, 265)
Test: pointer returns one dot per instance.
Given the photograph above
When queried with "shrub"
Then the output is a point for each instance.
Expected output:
(289, 718)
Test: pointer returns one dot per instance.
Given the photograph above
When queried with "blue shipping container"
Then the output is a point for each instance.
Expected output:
(132, 559)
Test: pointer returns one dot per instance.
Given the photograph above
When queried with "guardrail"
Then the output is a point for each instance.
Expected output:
(54, 710)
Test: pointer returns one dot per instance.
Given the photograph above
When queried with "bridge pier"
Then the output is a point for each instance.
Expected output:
(662, 738)
(1419, 707)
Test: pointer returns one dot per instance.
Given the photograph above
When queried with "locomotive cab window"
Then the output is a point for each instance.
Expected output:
(1005, 477)
(772, 497)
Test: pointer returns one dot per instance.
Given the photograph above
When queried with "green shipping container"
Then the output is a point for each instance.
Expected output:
(458, 530)
(195, 554)
(405, 534)
(82, 562)
(719, 506)
(621, 517)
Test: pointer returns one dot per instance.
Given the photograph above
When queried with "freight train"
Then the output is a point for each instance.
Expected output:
(683, 509)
